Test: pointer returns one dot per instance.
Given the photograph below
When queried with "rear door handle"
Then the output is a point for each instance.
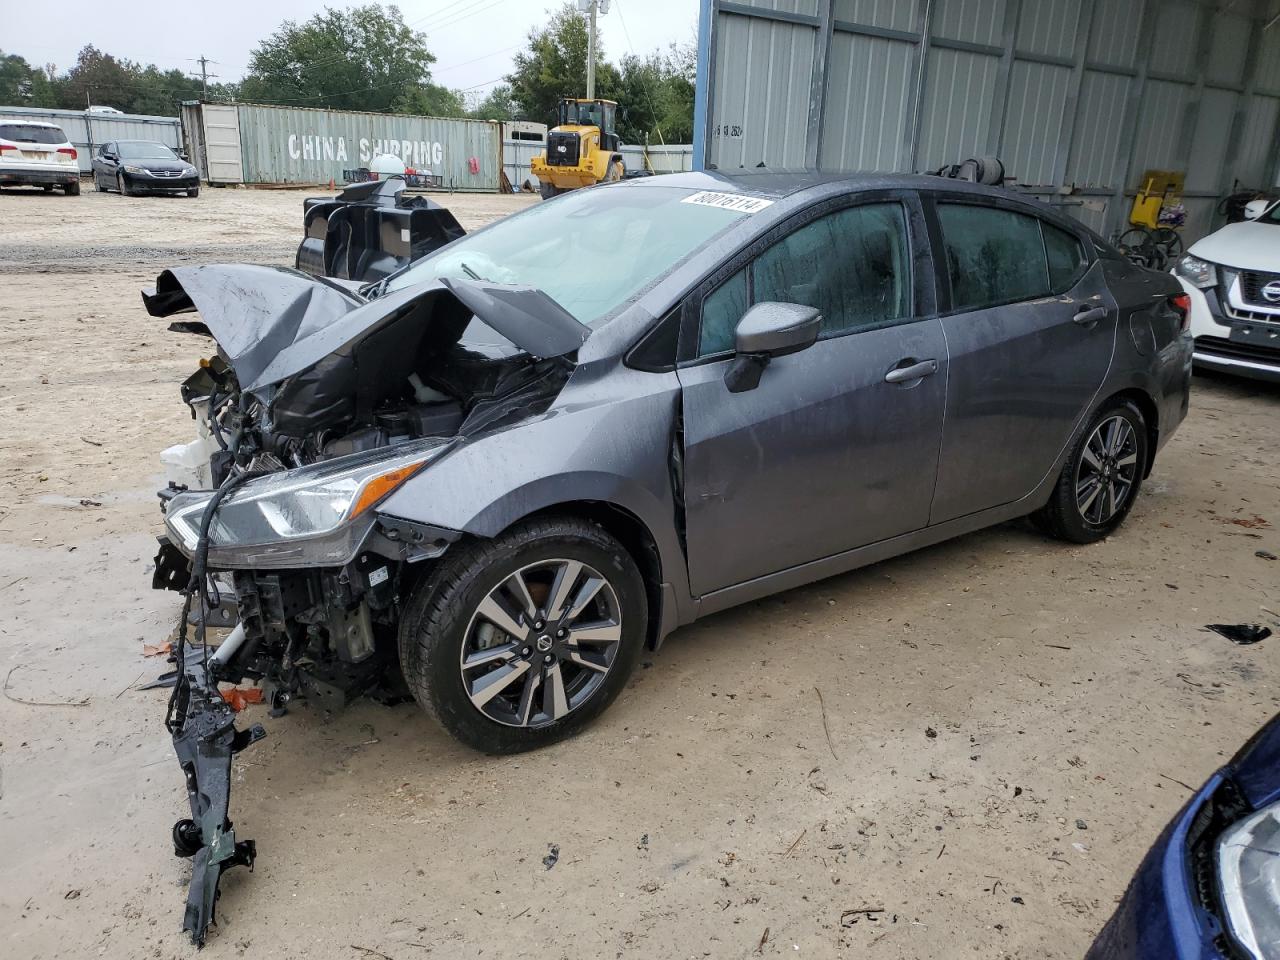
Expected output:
(916, 371)
(1089, 315)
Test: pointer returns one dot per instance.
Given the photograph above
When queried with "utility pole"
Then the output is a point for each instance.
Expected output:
(589, 7)
(205, 75)
(591, 52)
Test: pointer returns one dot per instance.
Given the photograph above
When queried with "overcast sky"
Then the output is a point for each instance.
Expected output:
(473, 40)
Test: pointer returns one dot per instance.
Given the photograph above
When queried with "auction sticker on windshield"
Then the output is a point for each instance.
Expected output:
(728, 201)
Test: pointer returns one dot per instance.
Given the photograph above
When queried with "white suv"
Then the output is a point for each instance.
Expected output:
(37, 154)
(1233, 279)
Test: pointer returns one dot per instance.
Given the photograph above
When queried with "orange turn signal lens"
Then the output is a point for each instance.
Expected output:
(377, 488)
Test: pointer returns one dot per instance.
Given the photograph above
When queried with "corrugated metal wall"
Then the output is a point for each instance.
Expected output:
(88, 131)
(299, 145)
(1074, 95)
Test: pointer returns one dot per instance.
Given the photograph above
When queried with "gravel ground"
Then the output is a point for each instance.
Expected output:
(1011, 720)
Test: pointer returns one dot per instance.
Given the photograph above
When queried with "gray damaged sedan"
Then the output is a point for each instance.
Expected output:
(495, 477)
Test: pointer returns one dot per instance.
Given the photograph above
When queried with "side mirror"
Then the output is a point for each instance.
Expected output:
(184, 156)
(1255, 208)
(766, 331)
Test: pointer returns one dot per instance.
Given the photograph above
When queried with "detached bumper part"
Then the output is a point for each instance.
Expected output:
(205, 739)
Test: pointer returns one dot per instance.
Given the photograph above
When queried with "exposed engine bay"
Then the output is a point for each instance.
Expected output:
(321, 399)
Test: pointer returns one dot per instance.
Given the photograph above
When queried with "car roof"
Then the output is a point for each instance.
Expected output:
(29, 123)
(786, 183)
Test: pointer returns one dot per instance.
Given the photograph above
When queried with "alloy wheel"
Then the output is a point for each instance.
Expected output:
(541, 643)
(1107, 470)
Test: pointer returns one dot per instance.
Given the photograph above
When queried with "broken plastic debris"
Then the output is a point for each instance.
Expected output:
(240, 698)
(553, 855)
(1241, 633)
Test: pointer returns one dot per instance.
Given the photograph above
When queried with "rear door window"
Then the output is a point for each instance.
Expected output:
(1066, 257)
(21, 133)
(994, 256)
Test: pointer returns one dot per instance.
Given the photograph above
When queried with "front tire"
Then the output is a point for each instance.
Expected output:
(520, 641)
(1101, 478)
(123, 185)
(193, 192)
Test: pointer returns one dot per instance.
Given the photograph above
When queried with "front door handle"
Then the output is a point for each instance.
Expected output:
(1089, 316)
(916, 371)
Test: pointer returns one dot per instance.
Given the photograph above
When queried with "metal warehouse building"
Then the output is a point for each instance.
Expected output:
(1077, 97)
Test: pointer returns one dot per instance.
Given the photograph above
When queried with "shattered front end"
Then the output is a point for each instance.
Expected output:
(205, 739)
(321, 401)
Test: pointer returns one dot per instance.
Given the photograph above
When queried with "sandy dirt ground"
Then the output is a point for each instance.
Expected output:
(1011, 720)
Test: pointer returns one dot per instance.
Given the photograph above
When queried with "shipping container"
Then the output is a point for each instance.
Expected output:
(522, 140)
(281, 145)
(1077, 98)
(88, 131)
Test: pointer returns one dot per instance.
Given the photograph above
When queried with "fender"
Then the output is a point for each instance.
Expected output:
(583, 450)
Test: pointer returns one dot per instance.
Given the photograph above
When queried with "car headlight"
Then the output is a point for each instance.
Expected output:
(128, 168)
(307, 505)
(1249, 875)
(1197, 272)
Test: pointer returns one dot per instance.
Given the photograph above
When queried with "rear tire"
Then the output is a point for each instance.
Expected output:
(1101, 478)
(47, 187)
(558, 668)
(72, 189)
(97, 184)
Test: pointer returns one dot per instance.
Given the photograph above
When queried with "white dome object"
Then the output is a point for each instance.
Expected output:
(387, 165)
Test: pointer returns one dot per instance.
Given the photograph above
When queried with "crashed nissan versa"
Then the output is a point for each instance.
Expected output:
(493, 477)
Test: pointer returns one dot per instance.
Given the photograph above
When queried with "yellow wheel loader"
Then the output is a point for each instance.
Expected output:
(582, 148)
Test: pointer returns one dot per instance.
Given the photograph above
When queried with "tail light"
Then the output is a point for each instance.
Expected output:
(7, 146)
(68, 151)
(1182, 303)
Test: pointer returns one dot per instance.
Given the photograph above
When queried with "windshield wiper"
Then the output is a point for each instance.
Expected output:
(471, 273)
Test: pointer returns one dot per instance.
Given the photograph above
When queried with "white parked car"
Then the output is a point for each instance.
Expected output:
(1233, 279)
(37, 154)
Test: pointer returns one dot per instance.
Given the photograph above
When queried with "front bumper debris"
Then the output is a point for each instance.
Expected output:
(205, 739)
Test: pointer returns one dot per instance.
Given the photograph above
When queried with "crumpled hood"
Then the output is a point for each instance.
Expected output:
(1249, 245)
(274, 322)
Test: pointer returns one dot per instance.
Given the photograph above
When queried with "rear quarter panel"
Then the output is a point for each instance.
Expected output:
(1153, 353)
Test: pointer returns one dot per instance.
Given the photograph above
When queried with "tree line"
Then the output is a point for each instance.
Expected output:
(367, 58)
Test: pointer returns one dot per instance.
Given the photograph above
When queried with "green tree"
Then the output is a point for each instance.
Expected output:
(496, 105)
(97, 78)
(15, 79)
(431, 100)
(555, 66)
(362, 58)
(656, 96)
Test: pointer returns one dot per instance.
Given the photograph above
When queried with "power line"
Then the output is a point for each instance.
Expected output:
(454, 66)
(627, 33)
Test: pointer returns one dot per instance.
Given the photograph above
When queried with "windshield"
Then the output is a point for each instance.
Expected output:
(1272, 215)
(587, 114)
(22, 133)
(590, 250)
(145, 150)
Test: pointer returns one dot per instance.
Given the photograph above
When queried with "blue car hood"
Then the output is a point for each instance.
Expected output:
(1256, 767)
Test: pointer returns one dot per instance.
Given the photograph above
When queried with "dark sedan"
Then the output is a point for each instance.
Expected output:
(143, 166)
(1210, 887)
